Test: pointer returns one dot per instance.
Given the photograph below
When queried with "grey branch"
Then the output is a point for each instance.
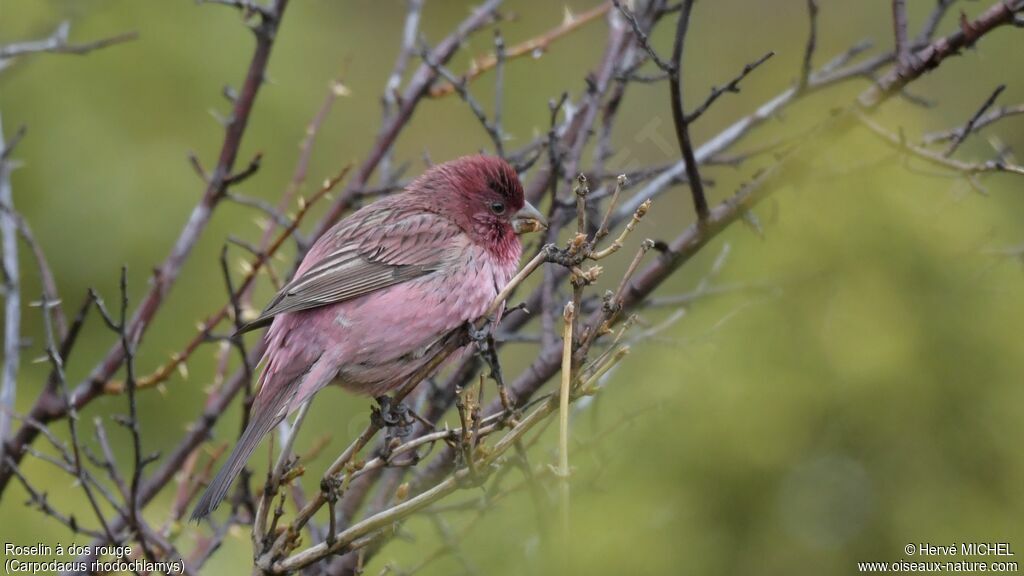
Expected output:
(985, 120)
(57, 43)
(12, 294)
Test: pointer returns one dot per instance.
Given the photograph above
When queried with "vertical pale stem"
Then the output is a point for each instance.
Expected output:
(568, 315)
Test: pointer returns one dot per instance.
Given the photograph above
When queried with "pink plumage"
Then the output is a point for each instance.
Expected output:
(376, 293)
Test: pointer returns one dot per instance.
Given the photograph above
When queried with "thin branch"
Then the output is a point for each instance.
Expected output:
(178, 360)
(967, 169)
(812, 44)
(733, 86)
(167, 273)
(39, 500)
(981, 122)
(57, 43)
(529, 48)
(569, 319)
(493, 129)
(78, 468)
(499, 88)
(964, 132)
(390, 98)
(417, 88)
(999, 14)
(933, 21)
(12, 293)
(835, 72)
(700, 203)
(642, 39)
(46, 276)
(352, 541)
(899, 23)
(355, 537)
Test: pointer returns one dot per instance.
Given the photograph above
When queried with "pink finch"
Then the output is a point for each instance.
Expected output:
(377, 292)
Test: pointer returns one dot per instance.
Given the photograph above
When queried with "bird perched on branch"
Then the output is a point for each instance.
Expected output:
(379, 291)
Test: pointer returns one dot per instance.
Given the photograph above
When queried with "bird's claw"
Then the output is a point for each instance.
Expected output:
(393, 416)
(479, 335)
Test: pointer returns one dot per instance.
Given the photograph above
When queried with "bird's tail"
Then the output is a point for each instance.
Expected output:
(262, 422)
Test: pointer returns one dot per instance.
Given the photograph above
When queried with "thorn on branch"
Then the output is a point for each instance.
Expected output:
(197, 166)
(248, 8)
(249, 170)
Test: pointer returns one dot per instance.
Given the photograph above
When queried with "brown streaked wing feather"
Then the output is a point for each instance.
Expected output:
(366, 259)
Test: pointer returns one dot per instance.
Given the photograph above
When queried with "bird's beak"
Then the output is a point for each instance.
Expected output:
(528, 219)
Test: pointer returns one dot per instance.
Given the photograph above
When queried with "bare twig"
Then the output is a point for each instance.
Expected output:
(966, 169)
(733, 86)
(642, 38)
(932, 24)
(414, 92)
(927, 57)
(531, 47)
(366, 499)
(700, 203)
(391, 96)
(991, 118)
(57, 43)
(812, 44)
(568, 318)
(493, 129)
(499, 89)
(78, 467)
(964, 132)
(167, 273)
(899, 24)
(12, 294)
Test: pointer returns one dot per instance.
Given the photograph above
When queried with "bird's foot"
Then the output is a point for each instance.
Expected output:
(395, 417)
(488, 351)
(481, 334)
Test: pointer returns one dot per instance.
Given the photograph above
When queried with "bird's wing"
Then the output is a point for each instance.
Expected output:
(378, 249)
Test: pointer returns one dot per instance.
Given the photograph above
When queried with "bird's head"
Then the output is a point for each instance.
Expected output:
(483, 195)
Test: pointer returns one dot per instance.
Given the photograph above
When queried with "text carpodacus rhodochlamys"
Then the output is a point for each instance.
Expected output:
(377, 292)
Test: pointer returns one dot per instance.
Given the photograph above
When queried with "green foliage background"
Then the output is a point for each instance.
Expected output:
(871, 399)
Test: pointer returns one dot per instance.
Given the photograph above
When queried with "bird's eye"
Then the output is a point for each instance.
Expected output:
(498, 207)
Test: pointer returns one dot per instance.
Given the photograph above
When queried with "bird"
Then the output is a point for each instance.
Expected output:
(377, 293)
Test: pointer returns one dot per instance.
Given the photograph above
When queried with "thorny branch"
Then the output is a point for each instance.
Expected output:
(45, 409)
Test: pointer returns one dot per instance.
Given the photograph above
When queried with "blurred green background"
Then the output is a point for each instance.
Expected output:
(872, 398)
